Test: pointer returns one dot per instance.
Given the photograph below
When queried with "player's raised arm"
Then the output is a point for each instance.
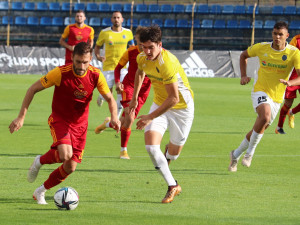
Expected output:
(243, 67)
(17, 123)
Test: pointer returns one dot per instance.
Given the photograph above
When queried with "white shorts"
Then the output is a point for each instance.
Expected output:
(110, 77)
(259, 98)
(179, 122)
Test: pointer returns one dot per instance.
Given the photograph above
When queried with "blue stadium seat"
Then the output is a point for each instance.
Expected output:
(116, 7)
(106, 22)
(259, 24)
(277, 10)
(29, 6)
(182, 23)
(20, 20)
(57, 21)
(3, 5)
(215, 9)
(158, 22)
(95, 22)
(141, 8)
(79, 6)
(189, 9)
(16, 6)
(239, 9)
(250, 10)
(54, 6)
(294, 25)
(127, 8)
(232, 24)
(42, 6)
(32, 21)
(219, 24)
(92, 7)
(269, 24)
(69, 20)
(245, 24)
(135, 23)
(46, 21)
(65, 7)
(290, 10)
(145, 22)
(104, 7)
(197, 24)
(153, 8)
(178, 8)
(228, 9)
(207, 24)
(166, 8)
(203, 9)
(169, 23)
(7, 20)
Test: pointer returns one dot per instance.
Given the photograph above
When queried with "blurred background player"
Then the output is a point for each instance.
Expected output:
(75, 33)
(115, 40)
(172, 107)
(126, 87)
(290, 95)
(277, 60)
(68, 122)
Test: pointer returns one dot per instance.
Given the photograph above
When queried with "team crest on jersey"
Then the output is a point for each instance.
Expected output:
(79, 94)
(124, 36)
(284, 57)
(78, 37)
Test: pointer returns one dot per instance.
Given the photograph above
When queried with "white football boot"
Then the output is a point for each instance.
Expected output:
(233, 163)
(34, 169)
(39, 195)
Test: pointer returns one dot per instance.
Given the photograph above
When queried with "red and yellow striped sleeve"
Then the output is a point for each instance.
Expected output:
(51, 78)
(66, 32)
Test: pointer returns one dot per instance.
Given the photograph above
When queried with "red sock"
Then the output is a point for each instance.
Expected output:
(296, 109)
(50, 157)
(282, 115)
(56, 177)
(125, 134)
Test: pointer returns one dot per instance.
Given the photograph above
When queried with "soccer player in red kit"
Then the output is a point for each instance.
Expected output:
(290, 95)
(126, 88)
(75, 33)
(74, 86)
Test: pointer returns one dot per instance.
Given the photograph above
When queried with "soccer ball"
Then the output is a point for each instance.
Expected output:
(66, 198)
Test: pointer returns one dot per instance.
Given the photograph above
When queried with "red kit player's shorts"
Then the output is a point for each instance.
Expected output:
(142, 97)
(70, 134)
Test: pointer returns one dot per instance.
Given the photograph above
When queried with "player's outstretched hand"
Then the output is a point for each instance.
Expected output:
(285, 82)
(16, 125)
(116, 125)
(143, 122)
(245, 80)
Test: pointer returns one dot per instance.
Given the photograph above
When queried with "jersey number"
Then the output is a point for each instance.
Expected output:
(262, 99)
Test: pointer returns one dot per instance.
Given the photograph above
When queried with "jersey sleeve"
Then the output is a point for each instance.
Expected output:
(170, 71)
(51, 78)
(297, 60)
(66, 32)
(294, 41)
(92, 33)
(131, 41)
(100, 40)
(138, 60)
(252, 50)
(102, 85)
(124, 59)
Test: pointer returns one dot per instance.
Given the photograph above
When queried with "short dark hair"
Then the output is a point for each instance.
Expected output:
(281, 25)
(152, 33)
(80, 11)
(82, 48)
(139, 29)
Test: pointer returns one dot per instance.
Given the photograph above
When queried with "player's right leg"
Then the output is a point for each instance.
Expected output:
(99, 129)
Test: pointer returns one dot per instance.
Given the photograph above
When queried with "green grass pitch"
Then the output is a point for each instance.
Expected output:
(114, 191)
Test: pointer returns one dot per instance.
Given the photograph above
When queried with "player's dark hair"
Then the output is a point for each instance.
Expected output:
(281, 25)
(82, 48)
(152, 33)
(80, 11)
(139, 29)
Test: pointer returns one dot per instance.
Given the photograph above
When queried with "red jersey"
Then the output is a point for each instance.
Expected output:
(295, 42)
(73, 93)
(75, 35)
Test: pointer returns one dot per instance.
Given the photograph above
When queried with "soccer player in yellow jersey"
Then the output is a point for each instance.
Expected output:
(173, 104)
(115, 40)
(277, 60)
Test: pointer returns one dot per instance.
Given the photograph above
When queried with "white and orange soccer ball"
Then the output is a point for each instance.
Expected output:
(66, 198)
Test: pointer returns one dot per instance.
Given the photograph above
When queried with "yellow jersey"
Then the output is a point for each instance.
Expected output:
(166, 69)
(274, 65)
(115, 44)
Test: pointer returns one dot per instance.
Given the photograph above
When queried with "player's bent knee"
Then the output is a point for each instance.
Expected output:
(171, 157)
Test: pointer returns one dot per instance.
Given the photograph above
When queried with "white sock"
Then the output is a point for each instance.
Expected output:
(254, 140)
(42, 188)
(123, 149)
(160, 163)
(120, 107)
(243, 147)
(107, 125)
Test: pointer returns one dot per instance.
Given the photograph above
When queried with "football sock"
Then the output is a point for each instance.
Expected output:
(282, 115)
(125, 134)
(56, 177)
(254, 140)
(123, 149)
(296, 109)
(243, 147)
(120, 107)
(50, 157)
(160, 163)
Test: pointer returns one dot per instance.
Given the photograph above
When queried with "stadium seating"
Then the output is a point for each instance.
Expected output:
(46, 21)
(269, 24)
(158, 22)
(54, 6)
(69, 20)
(135, 23)
(166, 8)
(16, 6)
(203, 9)
(116, 7)
(178, 8)
(57, 21)
(294, 25)
(127, 8)
(244, 24)
(7, 20)
(189, 9)
(32, 21)
(106, 22)
(277, 10)
(182, 23)
(219, 24)
(250, 10)
(197, 24)
(79, 6)
(228, 9)
(290, 10)
(259, 24)
(20, 20)
(95, 22)
(169, 23)
(141, 8)
(215, 9)
(104, 7)
(145, 22)
(153, 8)
(29, 6)
(92, 7)
(232, 24)
(207, 24)
(43, 6)
(239, 9)
(66, 7)
(3, 6)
